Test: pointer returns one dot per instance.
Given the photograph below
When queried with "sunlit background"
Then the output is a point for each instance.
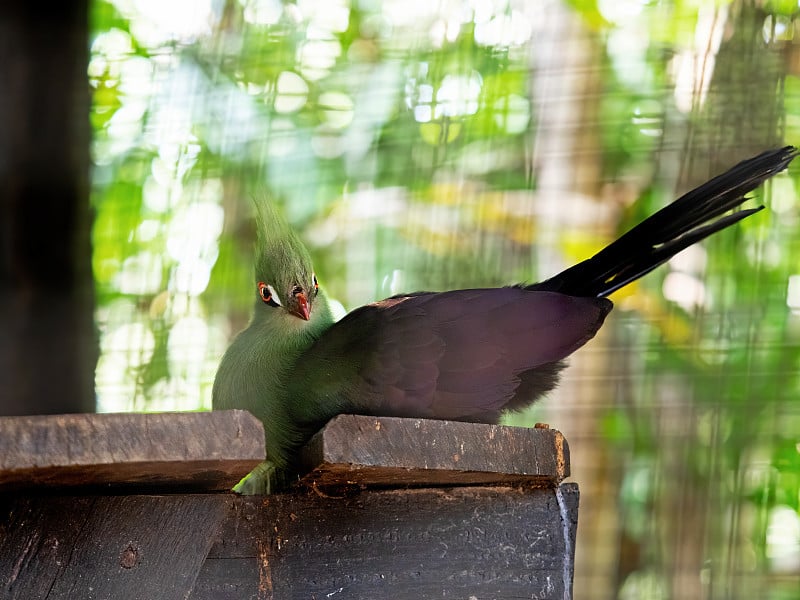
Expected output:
(422, 144)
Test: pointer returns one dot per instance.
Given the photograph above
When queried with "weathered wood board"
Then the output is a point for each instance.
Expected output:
(388, 508)
(213, 450)
(388, 451)
(105, 547)
(462, 542)
(198, 451)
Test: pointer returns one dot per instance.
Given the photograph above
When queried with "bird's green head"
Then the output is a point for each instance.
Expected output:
(285, 280)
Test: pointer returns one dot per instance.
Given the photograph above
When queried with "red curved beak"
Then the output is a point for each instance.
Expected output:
(301, 308)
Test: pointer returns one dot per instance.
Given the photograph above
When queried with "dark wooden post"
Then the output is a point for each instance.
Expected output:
(48, 348)
(121, 506)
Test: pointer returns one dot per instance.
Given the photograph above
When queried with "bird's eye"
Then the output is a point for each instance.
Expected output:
(267, 293)
(316, 283)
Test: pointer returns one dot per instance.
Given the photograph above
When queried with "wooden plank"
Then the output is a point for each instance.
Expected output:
(387, 451)
(491, 542)
(200, 451)
(133, 547)
(37, 537)
(212, 451)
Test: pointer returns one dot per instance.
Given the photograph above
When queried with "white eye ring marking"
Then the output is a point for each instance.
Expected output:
(268, 295)
(274, 295)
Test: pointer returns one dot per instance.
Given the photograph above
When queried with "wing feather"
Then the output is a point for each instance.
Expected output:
(461, 355)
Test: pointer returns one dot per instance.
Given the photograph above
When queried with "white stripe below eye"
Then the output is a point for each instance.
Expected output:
(274, 295)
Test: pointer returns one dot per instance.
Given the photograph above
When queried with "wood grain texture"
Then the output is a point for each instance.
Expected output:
(415, 544)
(496, 542)
(37, 536)
(387, 451)
(132, 547)
(461, 542)
(203, 451)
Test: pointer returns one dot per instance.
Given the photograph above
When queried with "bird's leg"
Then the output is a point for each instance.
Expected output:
(267, 478)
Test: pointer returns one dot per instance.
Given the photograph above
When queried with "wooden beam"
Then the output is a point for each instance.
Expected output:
(198, 451)
(463, 542)
(118, 546)
(45, 213)
(392, 452)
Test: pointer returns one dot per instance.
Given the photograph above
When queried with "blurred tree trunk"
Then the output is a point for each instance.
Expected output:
(567, 83)
(48, 348)
(737, 113)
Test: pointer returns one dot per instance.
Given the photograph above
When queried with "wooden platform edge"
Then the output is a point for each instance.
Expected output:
(212, 451)
(391, 451)
(192, 450)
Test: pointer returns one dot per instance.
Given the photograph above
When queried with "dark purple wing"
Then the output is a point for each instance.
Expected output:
(460, 355)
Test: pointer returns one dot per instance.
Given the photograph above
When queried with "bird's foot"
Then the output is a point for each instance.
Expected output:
(265, 479)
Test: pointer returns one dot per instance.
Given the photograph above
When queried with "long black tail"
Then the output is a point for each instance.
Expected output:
(673, 228)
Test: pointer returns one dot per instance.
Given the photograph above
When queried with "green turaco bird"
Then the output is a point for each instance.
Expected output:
(466, 355)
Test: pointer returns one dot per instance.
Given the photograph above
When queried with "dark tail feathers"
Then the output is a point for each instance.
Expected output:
(673, 228)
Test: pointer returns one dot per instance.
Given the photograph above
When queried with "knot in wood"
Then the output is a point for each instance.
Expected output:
(129, 556)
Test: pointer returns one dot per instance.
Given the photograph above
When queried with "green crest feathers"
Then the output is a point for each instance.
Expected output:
(280, 255)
